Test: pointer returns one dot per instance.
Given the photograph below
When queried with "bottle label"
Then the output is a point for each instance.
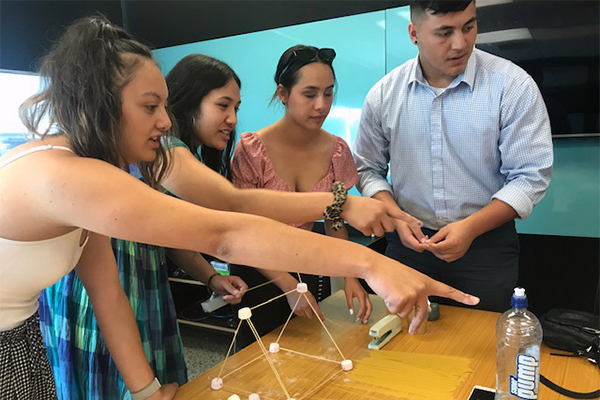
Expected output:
(523, 384)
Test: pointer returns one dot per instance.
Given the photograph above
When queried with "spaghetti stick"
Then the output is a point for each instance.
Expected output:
(262, 347)
(324, 327)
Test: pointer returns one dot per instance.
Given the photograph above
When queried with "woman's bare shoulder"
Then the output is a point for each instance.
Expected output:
(328, 137)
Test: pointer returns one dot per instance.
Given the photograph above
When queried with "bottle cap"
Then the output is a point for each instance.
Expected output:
(519, 298)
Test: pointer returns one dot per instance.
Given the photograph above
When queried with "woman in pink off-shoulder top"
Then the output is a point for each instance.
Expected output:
(296, 155)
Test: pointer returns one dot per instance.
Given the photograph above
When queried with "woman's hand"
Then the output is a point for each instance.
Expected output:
(353, 289)
(231, 287)
(371, 216)
(404, 289)
(303, 309)
(166, 392)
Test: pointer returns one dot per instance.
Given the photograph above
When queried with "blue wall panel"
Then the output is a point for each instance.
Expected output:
(572, 205)
(398, 46)
(359, 44)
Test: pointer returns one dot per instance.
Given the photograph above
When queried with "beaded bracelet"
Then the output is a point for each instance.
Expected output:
(333, 212)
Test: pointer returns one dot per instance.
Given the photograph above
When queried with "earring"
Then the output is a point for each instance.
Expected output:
(193, 120)
(416, 41)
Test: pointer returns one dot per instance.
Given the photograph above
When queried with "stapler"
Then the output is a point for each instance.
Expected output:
(384, 330)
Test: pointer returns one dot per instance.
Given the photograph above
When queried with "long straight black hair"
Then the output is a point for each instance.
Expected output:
(190, 80)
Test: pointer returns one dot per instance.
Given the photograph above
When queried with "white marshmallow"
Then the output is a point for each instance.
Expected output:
(244, 313)
(347, 365)
(254, 396)
(302, 288)
(216, 384)
(274, 347)
(234, 397)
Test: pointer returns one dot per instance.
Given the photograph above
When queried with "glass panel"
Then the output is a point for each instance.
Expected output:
(572, 205)
(398, 47)
(16, 87)
(372, 44)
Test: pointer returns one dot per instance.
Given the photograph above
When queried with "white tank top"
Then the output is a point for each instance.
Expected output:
(28, 267)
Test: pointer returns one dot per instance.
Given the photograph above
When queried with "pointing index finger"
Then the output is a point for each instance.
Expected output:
(443, 290)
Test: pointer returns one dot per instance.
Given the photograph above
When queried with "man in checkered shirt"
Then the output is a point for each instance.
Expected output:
(465, 138)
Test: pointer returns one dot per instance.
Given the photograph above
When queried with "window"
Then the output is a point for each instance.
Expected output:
(16, 87)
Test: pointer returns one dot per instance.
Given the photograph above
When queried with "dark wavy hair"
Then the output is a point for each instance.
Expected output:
(287, 74)
(418, 8)
(83, 78)
(190, 80)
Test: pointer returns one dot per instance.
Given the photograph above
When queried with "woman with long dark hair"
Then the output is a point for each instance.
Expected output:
(65, 194)
(142, 267)
(295, 154)
(204, 97)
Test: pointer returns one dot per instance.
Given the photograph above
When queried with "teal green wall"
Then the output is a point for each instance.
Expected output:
(369, 45)
(359, 44)
(572, 205)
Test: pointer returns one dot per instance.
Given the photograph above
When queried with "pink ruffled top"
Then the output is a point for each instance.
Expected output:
(251, 167)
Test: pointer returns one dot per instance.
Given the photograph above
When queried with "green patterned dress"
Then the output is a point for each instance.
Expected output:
(82, 366)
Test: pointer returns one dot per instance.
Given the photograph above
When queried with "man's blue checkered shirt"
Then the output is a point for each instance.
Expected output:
(487, 136)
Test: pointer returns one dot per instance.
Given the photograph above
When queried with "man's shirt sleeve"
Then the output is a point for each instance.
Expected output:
(525, 146)
(371, 147)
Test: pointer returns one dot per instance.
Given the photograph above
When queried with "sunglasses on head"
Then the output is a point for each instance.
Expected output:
(309, 55)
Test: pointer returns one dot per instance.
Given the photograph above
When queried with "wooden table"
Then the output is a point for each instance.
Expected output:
(459, 332)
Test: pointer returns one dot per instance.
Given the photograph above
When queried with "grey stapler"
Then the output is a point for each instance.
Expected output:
(384, 330)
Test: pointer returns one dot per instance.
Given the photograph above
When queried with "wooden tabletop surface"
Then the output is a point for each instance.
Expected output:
(460, 332)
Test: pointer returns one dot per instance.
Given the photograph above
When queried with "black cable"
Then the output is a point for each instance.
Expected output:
(565, 392)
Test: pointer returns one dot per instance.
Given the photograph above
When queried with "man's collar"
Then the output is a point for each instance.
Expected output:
(468, 76)
(416, 73)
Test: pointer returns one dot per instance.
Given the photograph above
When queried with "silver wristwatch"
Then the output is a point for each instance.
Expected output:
(146, 392)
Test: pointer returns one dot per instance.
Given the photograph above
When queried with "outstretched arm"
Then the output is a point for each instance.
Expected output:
(192, 181)
(117, 205)
(97, 270)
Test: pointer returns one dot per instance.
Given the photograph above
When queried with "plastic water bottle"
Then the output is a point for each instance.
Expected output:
(518, 336)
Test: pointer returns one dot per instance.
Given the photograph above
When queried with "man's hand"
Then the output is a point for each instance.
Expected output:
(452, 241)
(411, 236)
